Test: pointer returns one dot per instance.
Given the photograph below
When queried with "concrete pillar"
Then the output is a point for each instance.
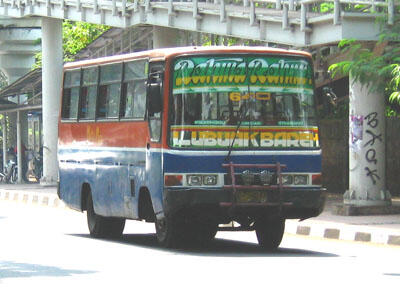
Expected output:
(24, 127)
(12, 129)
(4, 129)
(51, 86)
(19, 147)
(164, 37)
(367, 183)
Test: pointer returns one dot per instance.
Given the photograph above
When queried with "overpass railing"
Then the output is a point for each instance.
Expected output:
(288, 12)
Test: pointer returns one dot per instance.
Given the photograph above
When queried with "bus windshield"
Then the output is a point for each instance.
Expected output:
(256, 102)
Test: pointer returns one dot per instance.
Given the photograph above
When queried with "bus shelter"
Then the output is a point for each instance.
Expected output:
(20, 110)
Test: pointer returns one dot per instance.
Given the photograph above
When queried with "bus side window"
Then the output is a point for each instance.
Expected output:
(87, 107)
(70, 100)
(139, 99)
(102, 102)
(133, 99)
(113, 94)
(109, 91)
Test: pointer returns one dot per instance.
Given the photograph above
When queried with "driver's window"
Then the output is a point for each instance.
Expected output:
(155, 119)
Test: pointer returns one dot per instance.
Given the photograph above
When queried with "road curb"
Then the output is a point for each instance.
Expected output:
(312, 228)
(44, 199)
(338, 231)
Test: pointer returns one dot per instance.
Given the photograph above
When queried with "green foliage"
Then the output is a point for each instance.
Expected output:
(395, 83)
(76, 36)
(326, 7)
(375, 71)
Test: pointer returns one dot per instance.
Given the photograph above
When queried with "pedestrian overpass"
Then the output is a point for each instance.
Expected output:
(294, 23)
(302, 24)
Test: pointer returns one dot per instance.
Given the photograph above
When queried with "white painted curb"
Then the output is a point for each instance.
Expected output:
(339, 231)
(45, 199)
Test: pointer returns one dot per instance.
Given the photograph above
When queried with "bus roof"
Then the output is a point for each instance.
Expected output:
(164, 53)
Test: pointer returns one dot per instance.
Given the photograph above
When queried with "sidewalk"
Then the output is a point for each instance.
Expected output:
(382, 229)
(378, 229)
(31, 194)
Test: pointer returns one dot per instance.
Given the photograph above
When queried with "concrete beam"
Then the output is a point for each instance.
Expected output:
(271, 25)
(18, 47)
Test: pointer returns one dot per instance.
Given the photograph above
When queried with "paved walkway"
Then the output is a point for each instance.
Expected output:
(381, 229)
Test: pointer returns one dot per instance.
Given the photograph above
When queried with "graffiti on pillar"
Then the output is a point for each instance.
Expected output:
(373, 175)
(372, 119)
(374, 137)
(372, 124)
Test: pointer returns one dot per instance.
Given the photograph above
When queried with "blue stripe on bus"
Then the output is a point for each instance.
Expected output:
(184, 163)
(174, 163)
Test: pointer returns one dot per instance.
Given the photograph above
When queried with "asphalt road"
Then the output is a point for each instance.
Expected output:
(50, 247)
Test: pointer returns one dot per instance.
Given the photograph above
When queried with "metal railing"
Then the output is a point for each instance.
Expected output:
(317, 6)
(287, 12)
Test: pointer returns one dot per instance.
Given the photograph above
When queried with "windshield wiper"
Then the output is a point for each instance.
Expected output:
(242, 113)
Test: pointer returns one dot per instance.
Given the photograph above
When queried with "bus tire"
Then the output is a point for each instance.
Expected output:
(269, 232)
(103, 227)
(169, 231)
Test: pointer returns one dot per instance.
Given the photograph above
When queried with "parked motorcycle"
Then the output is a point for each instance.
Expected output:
(10, 173)
(35, 166)
(38, 167)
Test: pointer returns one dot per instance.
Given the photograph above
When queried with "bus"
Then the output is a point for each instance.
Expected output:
(194, 139)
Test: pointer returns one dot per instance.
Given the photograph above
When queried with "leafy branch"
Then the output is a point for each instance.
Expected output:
(76, 36)
(377, 68)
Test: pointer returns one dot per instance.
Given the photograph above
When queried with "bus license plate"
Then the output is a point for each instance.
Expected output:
(251, 197)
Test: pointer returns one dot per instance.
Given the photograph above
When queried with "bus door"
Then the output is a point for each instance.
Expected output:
(155, 97)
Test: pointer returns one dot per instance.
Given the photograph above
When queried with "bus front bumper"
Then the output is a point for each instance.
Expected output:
(294, 204)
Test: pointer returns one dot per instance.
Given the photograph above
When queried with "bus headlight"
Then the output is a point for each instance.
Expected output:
(295, 179)
(287, 179)
(248, 177)
(199, 180)
(300, 179)
(194, 180)
(266, 177)
(210, 180)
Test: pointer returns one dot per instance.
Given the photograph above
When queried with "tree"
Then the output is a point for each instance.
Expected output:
(376, 67)
(76, 36)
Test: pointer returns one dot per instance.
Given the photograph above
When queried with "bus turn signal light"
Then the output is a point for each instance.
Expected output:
(173, 180)
(316, 179)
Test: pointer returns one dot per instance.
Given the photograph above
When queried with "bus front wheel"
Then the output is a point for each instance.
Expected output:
(169, 231)
(103, 227)
(270, 232)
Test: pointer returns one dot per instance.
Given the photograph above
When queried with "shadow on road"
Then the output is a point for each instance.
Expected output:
(392, 274)
(215, 248)
(10, 269)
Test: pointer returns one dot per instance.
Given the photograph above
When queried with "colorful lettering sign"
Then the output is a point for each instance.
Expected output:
(257, 137)
(238, 74)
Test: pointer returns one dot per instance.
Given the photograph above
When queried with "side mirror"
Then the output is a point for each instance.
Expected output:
(154, 93)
